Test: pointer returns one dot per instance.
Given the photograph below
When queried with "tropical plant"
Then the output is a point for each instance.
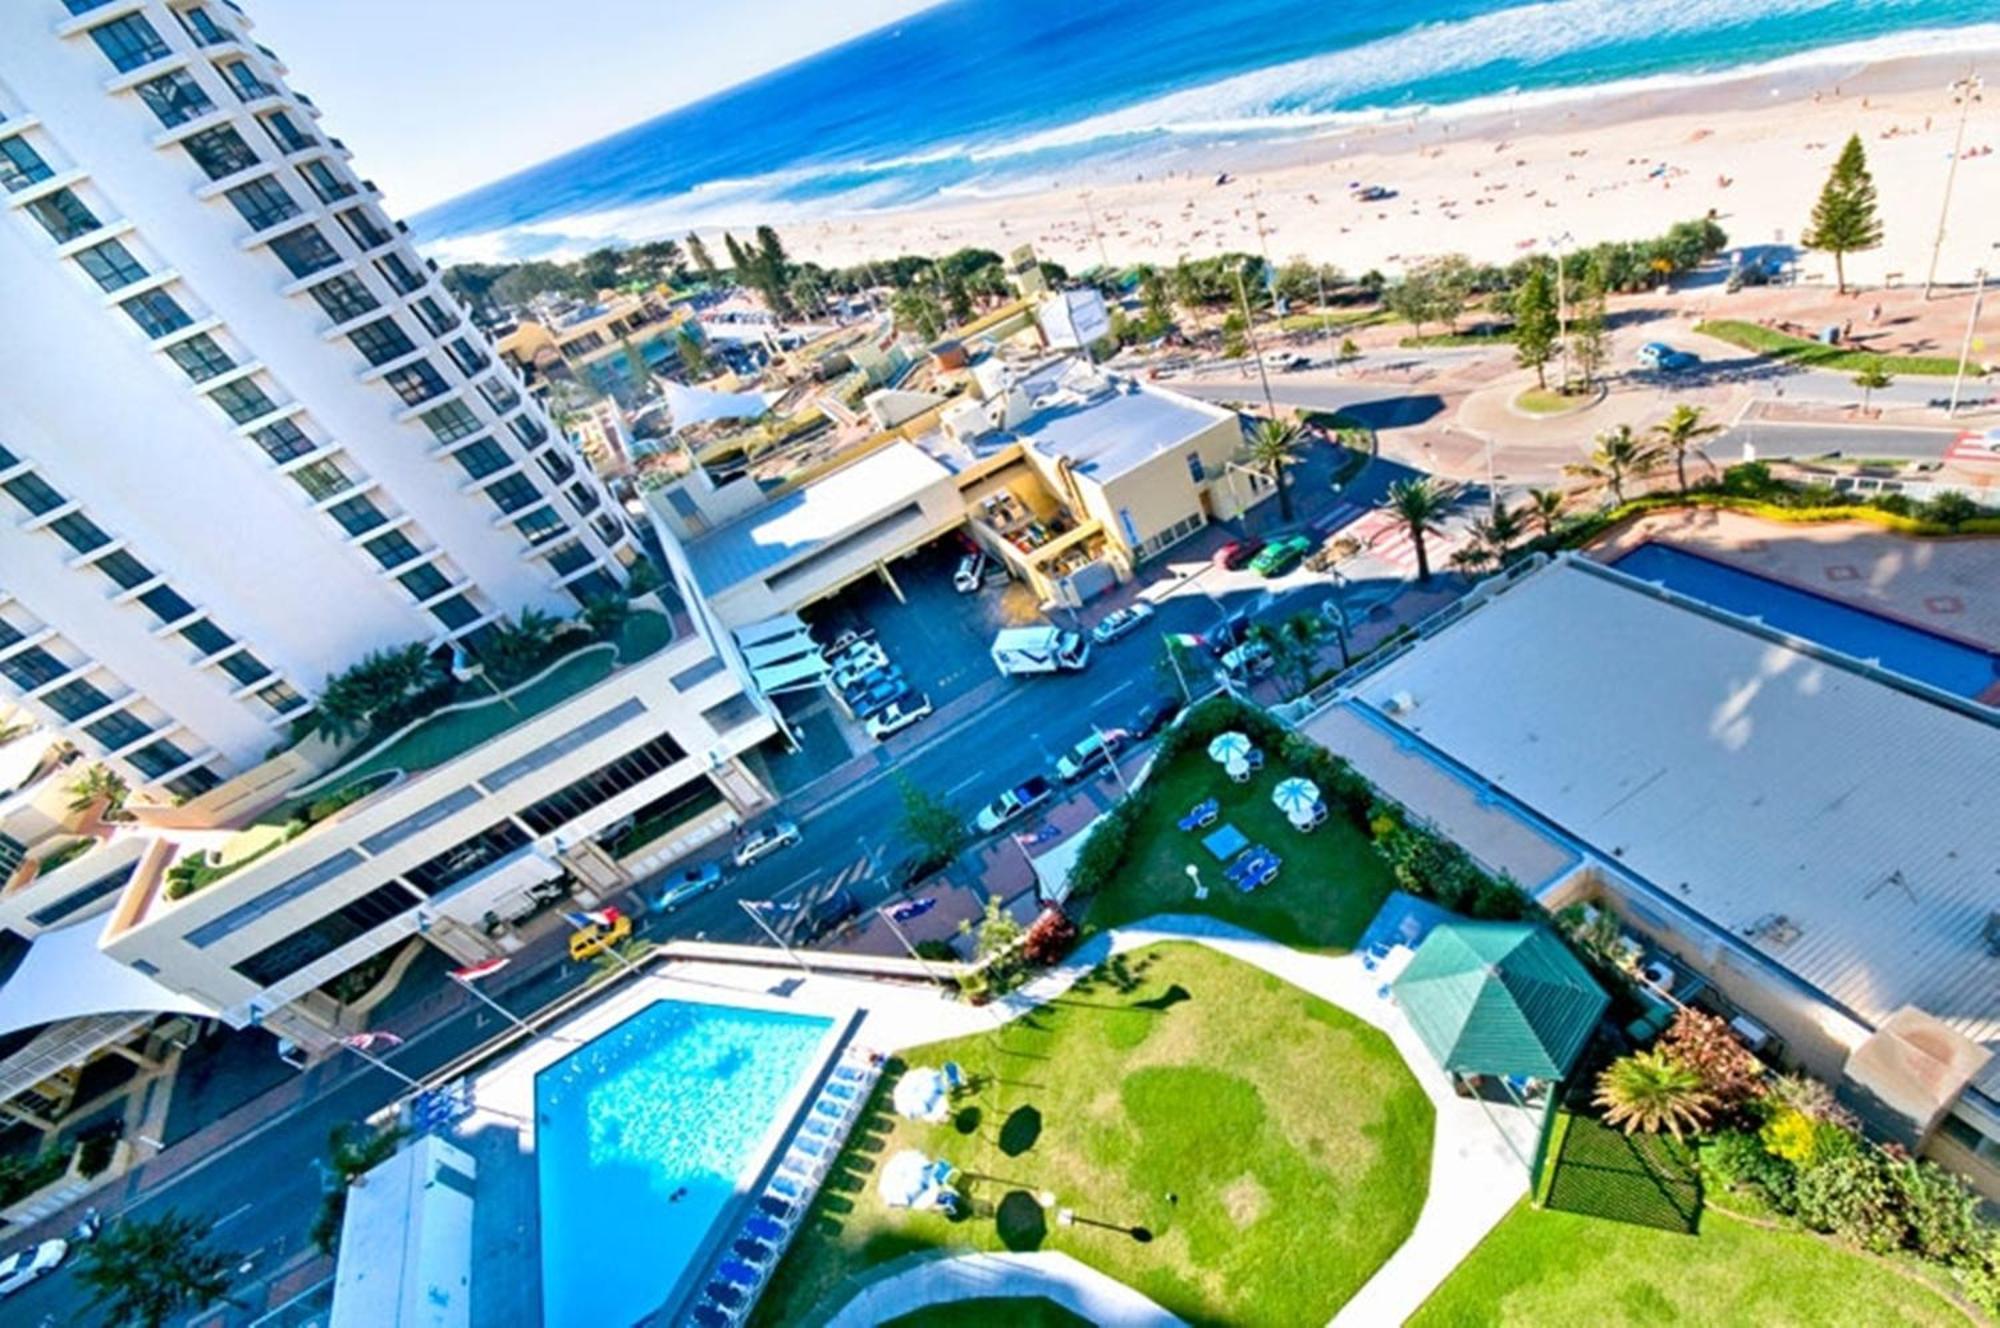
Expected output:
(1273, 445)
(1853, 1196)
(1704, 1043)
(606, 615)
(144, 1271)
(693, 355)
(515, 649)
(1419, 504)
(352, 1152)
(100, 782)
(1545, 508)
(916, 309)
(1874, 376)
(698, 251)
(1537, 330)
(1499, 531)
(937, 827)
(1348, 353)
(386, 688)
(1844, 219)
(1292, 644)
(1682, 432)
(1618, 457)
(1651, 1091)
(1049, 938)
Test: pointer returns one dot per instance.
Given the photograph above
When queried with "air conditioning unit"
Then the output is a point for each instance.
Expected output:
(1402, 703)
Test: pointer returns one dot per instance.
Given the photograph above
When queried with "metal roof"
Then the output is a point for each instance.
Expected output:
(1845, 828)
(1107, 435)
(1500, 998)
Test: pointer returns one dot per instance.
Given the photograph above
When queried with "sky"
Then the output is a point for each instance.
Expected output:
(440, 96)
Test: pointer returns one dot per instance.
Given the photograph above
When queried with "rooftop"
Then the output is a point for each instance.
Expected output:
(1839, 825)
(1108, 435)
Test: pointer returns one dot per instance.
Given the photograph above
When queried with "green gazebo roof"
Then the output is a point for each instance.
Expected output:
(1500, 998)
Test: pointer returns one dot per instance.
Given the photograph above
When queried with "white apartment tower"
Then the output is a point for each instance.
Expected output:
(245, 434)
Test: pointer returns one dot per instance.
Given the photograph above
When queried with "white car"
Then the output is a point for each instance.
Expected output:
(897, 716)
(1086, 756)
(853, 668)
(763, 843)
(1981, 441)
(25, 1266)
(1122, 622)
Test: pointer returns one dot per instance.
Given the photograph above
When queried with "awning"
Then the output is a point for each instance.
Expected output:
(65, 976)
(791, 675)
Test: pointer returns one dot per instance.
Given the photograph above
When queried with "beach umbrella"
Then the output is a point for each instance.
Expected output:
(1296, 797)
(1229, 748)
(905, 1179)
(922, 1094)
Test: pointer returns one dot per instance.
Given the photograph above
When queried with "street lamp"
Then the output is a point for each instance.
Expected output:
(1965, 347)
(1194, 874)
(1965, 91)
(1562, 302)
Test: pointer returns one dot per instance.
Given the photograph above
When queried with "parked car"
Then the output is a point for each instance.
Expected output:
(763, 843)
(1086, 756)
(684, 887)
(1152, 716)
(1228, 634)
(898, 715)
(913, 867)
(846, 644)
(1281, 555)
(804, 919)
(1014, 802)
(855, 666)
(27, 1265)
(1252, 659)
(1285, 361)
(1120, 622)
(1238, 552)
(971, 573)
(1659, 355)
(877, 696)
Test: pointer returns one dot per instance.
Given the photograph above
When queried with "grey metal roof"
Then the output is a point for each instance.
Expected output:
(1112, 434)
(1747, 780)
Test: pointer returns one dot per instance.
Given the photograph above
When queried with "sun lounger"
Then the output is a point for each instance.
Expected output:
(1201, 815)
(725, 1295)
(708, 1316)
(1254, 758)
(954, 1076)
(763, 1228)
(782, 1210)
(787, 1188)
(739, 1272)
(752, 1251)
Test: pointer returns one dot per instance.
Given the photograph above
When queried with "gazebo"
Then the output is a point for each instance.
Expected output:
(1504, 1000)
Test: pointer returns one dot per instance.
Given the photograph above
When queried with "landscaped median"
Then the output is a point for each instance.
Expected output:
(1776, 345)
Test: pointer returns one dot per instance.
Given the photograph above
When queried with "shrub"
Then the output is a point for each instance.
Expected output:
(94, 1150)
(1736, 1159)
(1950, 508)
(1803, 1140)
(1704, 1044)
(1049, 938)
(1979, 1273)
(1854, 1197)
(1942, 1213)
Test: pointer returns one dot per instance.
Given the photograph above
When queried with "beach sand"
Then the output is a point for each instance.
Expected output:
(1497, 183)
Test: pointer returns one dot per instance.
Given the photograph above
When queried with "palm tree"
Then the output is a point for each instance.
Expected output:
(1292, 644)
(1619, 457)
(1874, 376)
(1271, 446)
(352, 1152)
(144, 1271)
(1681, 433)
(100, 782)
(1417, 503)
(1651, 1091)
(1545, 508)
(1499, 532)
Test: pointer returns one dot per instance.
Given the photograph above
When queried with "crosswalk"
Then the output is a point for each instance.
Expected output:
(1385, 538)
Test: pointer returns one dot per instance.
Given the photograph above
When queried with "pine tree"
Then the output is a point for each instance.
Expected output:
(1535, 327)
(739, 259)
(1844, 220)
(1589, 334)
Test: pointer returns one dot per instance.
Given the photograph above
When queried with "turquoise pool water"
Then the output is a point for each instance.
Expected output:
(676, 1099)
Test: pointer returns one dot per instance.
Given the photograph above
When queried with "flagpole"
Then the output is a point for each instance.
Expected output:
(777, 940)
(471, 985)
(382, 1065)
(915, 954)
(1111, 759)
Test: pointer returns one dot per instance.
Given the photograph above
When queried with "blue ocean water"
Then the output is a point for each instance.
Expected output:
(982, 95)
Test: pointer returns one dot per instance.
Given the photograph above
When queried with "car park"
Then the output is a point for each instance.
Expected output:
(684, 887)
(30, 1264)
(897, 716)
(1086, 756)
(1017, 801)
(1237, 552)
(1121, 622)
(762, 843)
(1152, 716)
(1281, 555)
(1659, 355)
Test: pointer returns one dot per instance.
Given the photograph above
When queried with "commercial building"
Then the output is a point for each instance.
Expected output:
(1803, 835)
(602, 349)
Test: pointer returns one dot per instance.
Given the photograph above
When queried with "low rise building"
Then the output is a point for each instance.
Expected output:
(601, 348)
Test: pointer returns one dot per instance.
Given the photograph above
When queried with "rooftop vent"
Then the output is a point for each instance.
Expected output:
(1992, 933)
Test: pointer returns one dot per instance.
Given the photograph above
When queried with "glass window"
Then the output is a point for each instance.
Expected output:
(121, 729)
(529, 430)
(499, 394)
(542, 526)
(556, 465)
(514, 493)
(482, 458)
(74, 700)
(245, 668)
(304, 251)
(156, 312)
(583, 498)
(381, 341)
(35, 667)
(280, 697)
(417, 383)
(357, 514)
(200, 357)
(63, 216)
(21, 165)
(455, 612)
(174, 98)
(424, 582)
(79, 532)
(190, 785)
(606, 527)
(363, 229)
(452, 421)
(401, 274)
(283, 441)
(285, 132)
(83, 6)
(243, 81)
(34, 493)
(263, 203)
(219, 151)
(317, 940)
(167, 604)
(156, 759)
(468, 357)
(128, 42)
(206, 637)
(110, 265)
(437, 320)
(243, 401)
(344, 297)
(392, 550)
(123, 569)
(203, 28)
(326, 182)
(322, 480)
(601, 785)
(570, 556)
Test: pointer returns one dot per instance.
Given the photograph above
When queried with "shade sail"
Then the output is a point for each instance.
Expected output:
(65, 976)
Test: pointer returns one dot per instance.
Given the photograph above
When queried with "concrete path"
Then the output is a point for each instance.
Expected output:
(1075, 1286)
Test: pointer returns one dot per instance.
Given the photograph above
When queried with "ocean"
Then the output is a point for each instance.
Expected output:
(986, 97)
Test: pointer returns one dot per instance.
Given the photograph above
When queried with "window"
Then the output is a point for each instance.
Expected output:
(174, 98)
(206, 637)
(606, 527)
(452, 421)
(557, 466)
(322, 480)
(468, 357)
(583, 498)
(121, 729)
(499, 394)
(219, 151)
(304, 251)
(83, 6)
(529, 430)
(281, 698)
(455, 612)
(425, 582)
(417, 383)
(21, 165)
(200, 357)
(326, 182)
(482, 458)
(381, 341)
(124, 570)
(286, 133)
(344, 297)
(514, 493)
(542, 526)
(190, 785)
(167, 605)
(74, 700)
(79, 532)
(32, 668)
(34, 493)
(110, 265)
(317, 940)
(63, 216)
(435, 318)
(156, 312)
(283, 441)
(157, 759)
(263, 203)
(76, 900)
(243, 81)
(400, 274)
(1195, 468)
(363, 229)
(392, 550)
(242, 402)
(245, 668)
(204, 29)
(128, 42)
(467, 856)
(570, 556)
(356, 515)
(601, 785)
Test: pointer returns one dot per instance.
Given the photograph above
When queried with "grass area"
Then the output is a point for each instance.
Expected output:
(1600, 1171)
(1778, 345)
(1332, 883)
(1489, 336)
(1554, 1270)
(1548, 401)
(992, 1312)
(1233, 1148)
(1340, 322)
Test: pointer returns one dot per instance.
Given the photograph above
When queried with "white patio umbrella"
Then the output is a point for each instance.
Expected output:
(1229, 748)
(905, 1179)
(923, 1095)
(1296, 797)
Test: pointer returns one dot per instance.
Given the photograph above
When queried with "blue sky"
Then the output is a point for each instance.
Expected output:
(439, 96)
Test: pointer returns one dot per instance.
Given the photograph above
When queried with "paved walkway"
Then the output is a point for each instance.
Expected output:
(1075, 1286)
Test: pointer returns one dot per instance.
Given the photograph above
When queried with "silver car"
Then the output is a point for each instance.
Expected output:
(763, 843)
(25, 1266)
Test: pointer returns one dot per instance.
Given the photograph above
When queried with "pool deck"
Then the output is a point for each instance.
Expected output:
(1947, 586)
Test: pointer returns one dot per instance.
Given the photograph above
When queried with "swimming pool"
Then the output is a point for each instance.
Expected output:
(644, 1137)
(1952, 666)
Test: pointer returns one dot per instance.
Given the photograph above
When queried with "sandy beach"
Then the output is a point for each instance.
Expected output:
(1503, 180)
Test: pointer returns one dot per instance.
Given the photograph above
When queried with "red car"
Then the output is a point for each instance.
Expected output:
(1237, 553)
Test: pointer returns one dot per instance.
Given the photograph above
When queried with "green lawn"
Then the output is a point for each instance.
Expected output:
(1548, 401)
(992, 1312)
(1817, 355)
(1235, 1149)
(1543, 1269)
(1332, 883)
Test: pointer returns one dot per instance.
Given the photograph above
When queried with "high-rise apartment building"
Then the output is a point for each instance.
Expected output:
(245, 435)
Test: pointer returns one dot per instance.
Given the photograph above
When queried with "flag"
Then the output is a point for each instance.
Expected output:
(603, 917)
(1183, 639)
(484, 968)
(370, 1041)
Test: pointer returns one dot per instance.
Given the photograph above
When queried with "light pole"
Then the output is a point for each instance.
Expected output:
(1965, 346)
(1562, 304)
(1326, 317)
(923, 963)
(1194, 874)
(1111, 759)
(1173, 649)
(1250, 339)
(1966, 90)
(750, 907)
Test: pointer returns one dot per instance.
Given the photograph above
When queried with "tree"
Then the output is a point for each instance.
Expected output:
(514, 650)
(693, 355)
(1589, 330)
(997, 932)
(770, 271)
(1348, 354)
(1273, 446)
(1618, 457)
(937, 827)
(599, 268)
(916, 309)
(352, 1152)
(1536, 328)
(1418, 504)
(1498, 532)
(100, 782)
(1681, 433)
(383, 690)
(144, 1271)
(1545, 509)
(702, 262)
(1235, 340)
(1292, 644)
(1874, 376)
(1651, 1091)
(1844, 220)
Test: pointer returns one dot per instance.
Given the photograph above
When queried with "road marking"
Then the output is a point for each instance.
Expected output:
(1125, 686)
(965, 783)
(232, 1215)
